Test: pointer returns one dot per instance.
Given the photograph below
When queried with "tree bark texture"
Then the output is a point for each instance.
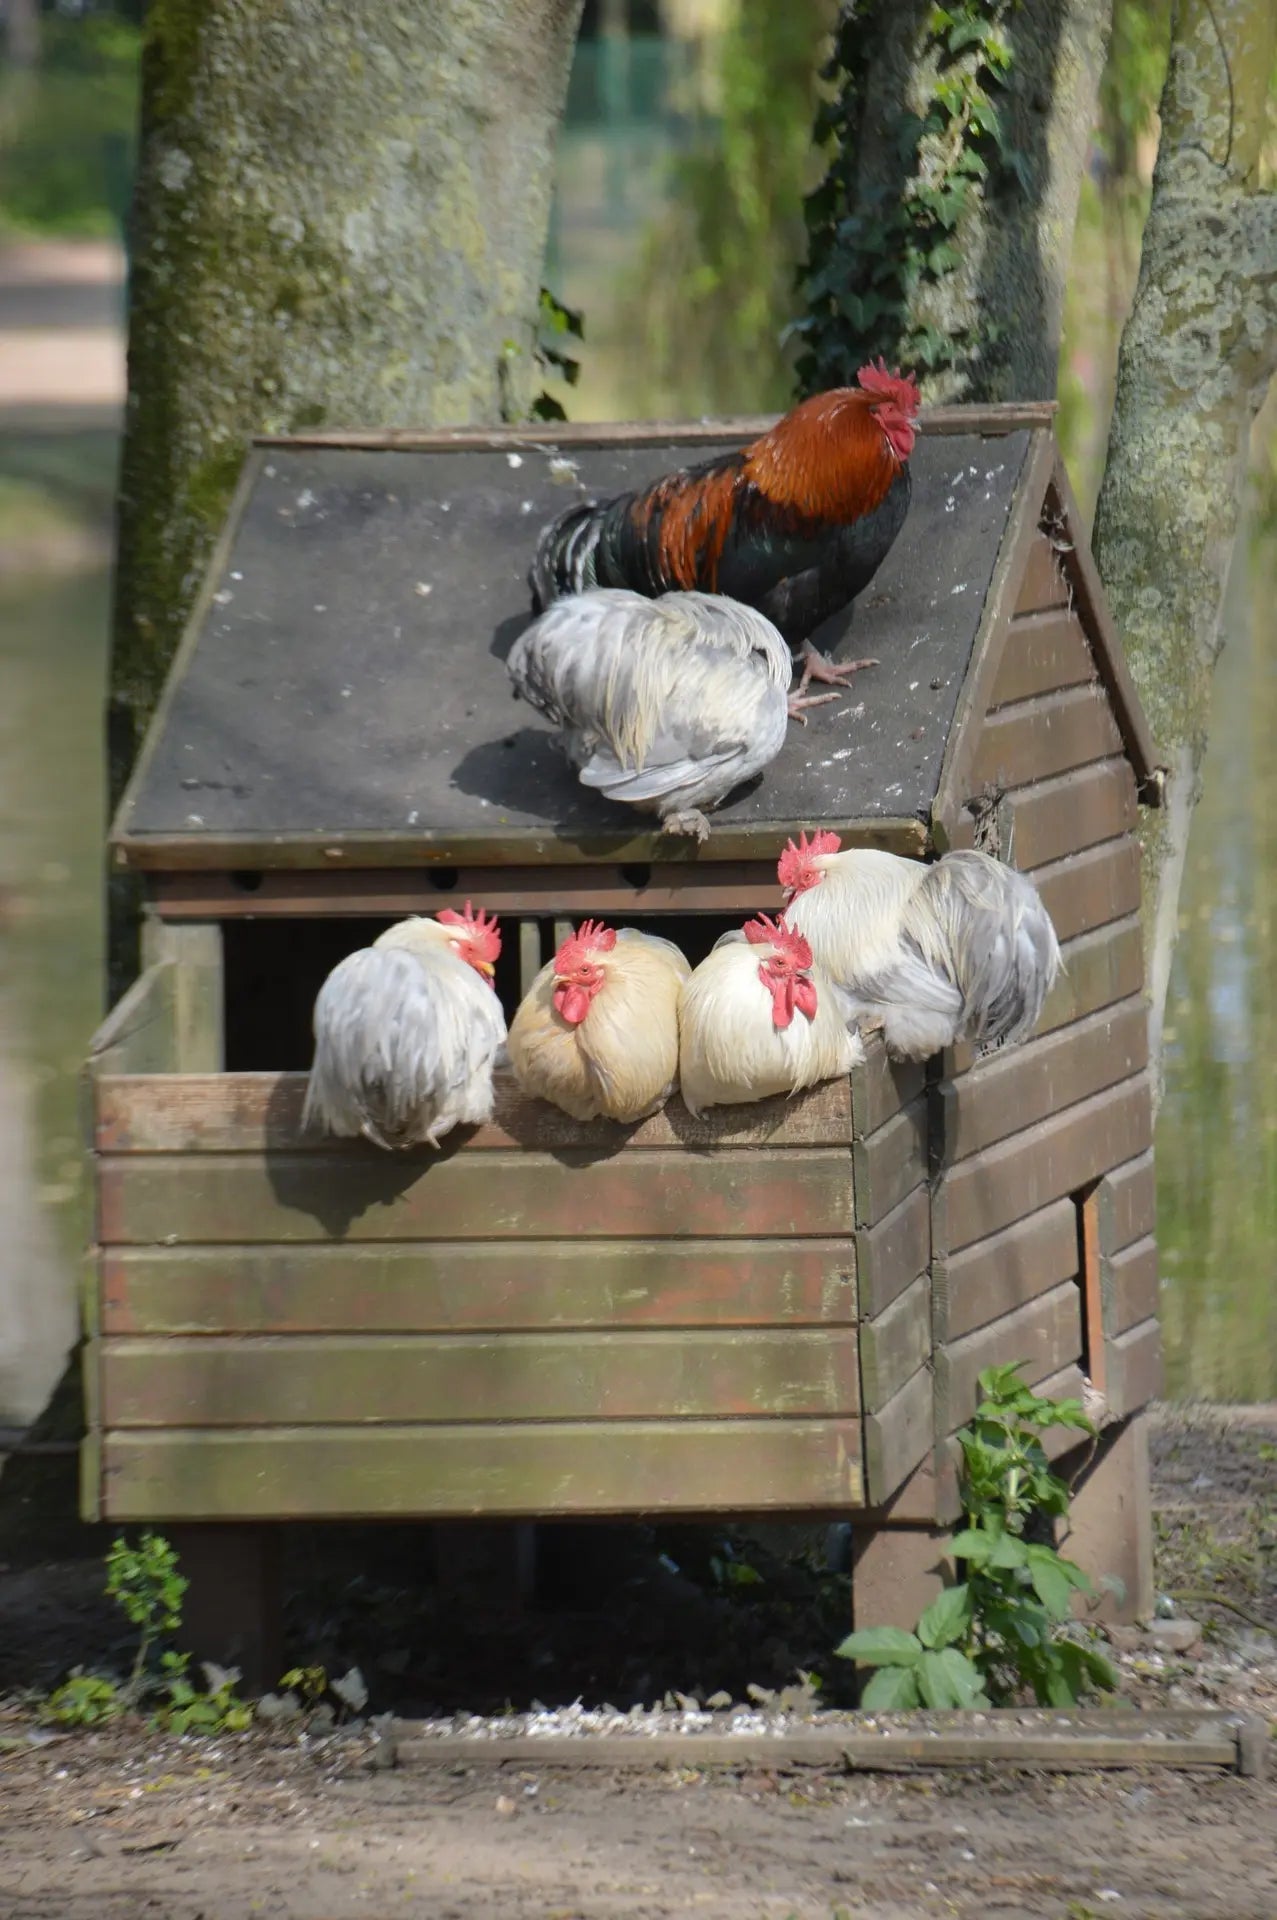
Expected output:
(983, 317)
(1197, 355)
(339, 220)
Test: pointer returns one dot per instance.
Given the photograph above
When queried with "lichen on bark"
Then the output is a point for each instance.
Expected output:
(339, 221)
(1197, 356)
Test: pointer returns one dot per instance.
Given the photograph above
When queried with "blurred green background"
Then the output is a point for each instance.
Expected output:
(676, 228)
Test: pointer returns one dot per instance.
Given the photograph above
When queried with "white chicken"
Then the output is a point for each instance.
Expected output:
(756, 1018)
(962, 949)
(407, 1032)
(597, 1031)
(665, 704)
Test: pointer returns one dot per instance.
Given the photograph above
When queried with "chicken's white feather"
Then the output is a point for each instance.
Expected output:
(730, 1050)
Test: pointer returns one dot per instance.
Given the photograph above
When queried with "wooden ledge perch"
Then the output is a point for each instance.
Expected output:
(1060, 1741)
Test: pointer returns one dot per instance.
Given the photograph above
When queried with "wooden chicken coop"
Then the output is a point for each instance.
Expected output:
(776, 1310)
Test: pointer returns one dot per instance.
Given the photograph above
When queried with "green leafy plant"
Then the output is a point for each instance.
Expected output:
(993, 1637)
(83, 1700)
(218, 1709)
(557, 327)
(145, 1584)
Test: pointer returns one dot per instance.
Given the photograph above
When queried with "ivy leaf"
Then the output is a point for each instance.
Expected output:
(964, 32)
(890, 1689)
(881, 1647)
(947, 1618)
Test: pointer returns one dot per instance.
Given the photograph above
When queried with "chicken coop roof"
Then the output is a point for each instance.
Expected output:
(341, 689)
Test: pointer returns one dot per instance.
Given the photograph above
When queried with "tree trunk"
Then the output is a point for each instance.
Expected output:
(1197, 355)
(943, 231)
(339, 220)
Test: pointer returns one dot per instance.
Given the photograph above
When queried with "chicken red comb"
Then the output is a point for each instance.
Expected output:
(897, 386)
(590, 937)
(766, 932)
(792, 867)
(483, 929)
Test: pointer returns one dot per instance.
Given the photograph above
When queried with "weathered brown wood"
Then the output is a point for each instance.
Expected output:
(896, 1573)
(720, 887)
(895, 1344)
(1127, 1202)
(318, 1380)
(166, 1198)
(1038, 738)
(1134, 1361)
(1110, 1523)
(256, 1112)
(195, 953)
(1044, 651)
(1023, 1174)
(1011, 1089)
(139, 1034)
(881, 1086)
(1042, 1336)
(893, 1253)
(1099, 968)
(508, 1471)
(1093, 1314)
(1051, 818)
(1129, 1286)
(890, 1163)
(1042, 583)
(993, 1277)
(1089, 889)
(449, 1287)
(1068, 1384)
(90, 1462)
(529, 953)
(232, 1611)
(898, 1436)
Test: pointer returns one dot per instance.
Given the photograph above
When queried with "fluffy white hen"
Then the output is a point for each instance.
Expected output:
(757, 1018)
(664, 704)
(962, 949)
(407, 1032)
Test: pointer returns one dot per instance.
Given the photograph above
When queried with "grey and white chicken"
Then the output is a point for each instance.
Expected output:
(665, 705)
(407, 1033)
(959, 950)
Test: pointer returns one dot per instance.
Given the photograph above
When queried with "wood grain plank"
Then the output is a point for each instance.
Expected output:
(138, 1035)
(895, 1344)
(1047, 819)
(1006, 1091)
(898, 1436)
(1038, 738)
(993, 1277)
(890, 1163)
(583, 1468)
(199, 990)
(1043, 1336)
(1126, 1200)
(454, 1287)
(1129, 1286)
(166, 1199)
(881, 1087)
(1043, 652)
(256, 1112)
(1087, 890)
(1135, 1376)
(1057, 1156)
(386, 1379)
(1042, 583)
(894, 1252)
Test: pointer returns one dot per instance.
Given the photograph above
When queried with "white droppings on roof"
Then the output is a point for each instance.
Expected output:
(958, 589)
(950, 503)
(525, 506)
(223, 598)
(194, 819)
(843, 753)
(994, 472)
(514, 459)
(269, 472)
(237, 576)
(346, 692)
(423, 587)
(445, 506)
(913, 686)
(320, 609)
(305, 498)
(413, 817)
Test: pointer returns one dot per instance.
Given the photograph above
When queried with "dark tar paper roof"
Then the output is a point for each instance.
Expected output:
(348, 676)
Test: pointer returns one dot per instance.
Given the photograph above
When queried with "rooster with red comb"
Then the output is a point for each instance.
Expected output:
(796, 524)
(959, 950)
(407, 1033)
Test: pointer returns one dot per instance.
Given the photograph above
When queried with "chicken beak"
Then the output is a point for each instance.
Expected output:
(485, 966)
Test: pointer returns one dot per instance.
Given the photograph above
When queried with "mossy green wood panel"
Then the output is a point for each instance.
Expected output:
(451, 1287)
(1037, 738)
(895, 1344)
(508, 1471)
(1047, 819)
(894, 1252)
(1089, 889)
(992, 1277)
(1008, 1090)
(1127, 1202)
(1041, 1337)
(1129, 1286)
(891, 1162)
(165, 1199)
(1043, 651)
(1058, 1156)
(898, 1436)
(256, 1112)
(211, 1381)
(881, 1087)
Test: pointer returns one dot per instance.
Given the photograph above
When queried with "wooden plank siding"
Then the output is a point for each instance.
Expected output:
(1134, 1373)
(993, 1277)
(511, 1471)
(1035, 739)
(1042, 584)
(1043, 1336)
(1128, 1286)
(1047, 819)
(895, 1343)
(1043, 652)
(1099, 969)
(881, 1087)
(1089, 889)
(890, 1163)
(898, 1435)
(1127, 1202)
(893, 1252)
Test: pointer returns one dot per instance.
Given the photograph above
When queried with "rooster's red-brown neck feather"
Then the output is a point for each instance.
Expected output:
(828, 459)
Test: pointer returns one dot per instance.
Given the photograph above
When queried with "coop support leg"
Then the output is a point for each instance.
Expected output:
(1110, 1524)
(491, 1562)
(896, 1572)
(231, 1611)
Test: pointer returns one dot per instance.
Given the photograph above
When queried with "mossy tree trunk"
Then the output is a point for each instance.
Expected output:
(339, 221)
(1197, 355)
(941, 235)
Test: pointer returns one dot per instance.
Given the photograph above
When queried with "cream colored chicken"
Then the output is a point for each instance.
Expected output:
(960, 950)
(756, 1018)
(664, 704)
(407, 1033)
(597, 1032)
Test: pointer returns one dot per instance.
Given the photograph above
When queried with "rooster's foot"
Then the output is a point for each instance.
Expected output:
(690, 822)
(798, 701)
(816, 667)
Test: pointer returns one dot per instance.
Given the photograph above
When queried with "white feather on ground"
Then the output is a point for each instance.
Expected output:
(406, 1038)
(665, 705)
